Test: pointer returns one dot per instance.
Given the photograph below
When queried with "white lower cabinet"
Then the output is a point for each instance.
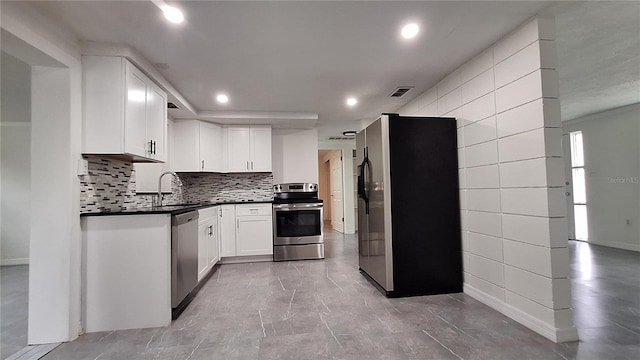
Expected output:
(246, 230)
(254, 234)
(208, 245)
(227, 221)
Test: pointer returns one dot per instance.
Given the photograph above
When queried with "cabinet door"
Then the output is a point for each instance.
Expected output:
(203, 244)
(260, 149)
(227, 230)
(135, 110)
(157, 122)
(186, 151)
(254, 235)
(210, 146)
(147, 174)
(238, 149)
(213, 245)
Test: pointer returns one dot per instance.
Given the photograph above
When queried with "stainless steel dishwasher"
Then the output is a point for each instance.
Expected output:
(184, 259)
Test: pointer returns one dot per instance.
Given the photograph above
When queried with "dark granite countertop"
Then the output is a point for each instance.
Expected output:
(172, 209)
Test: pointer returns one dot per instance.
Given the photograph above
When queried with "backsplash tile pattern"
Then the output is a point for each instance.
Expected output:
(202, 187)
(111, 186)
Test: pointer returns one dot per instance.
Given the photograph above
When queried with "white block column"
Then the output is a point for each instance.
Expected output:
(511, 175)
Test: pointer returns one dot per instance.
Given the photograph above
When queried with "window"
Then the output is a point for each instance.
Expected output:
(579, 186)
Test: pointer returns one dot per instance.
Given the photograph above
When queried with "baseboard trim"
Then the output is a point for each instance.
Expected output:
(245, 259)
(19, 261)
(557, 335)
(615, 244)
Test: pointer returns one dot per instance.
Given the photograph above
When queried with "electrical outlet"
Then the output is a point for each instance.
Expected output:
(83, 167)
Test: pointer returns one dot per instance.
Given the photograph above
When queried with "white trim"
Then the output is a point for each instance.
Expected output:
(614, 244)
(16, 261)
(552, 333)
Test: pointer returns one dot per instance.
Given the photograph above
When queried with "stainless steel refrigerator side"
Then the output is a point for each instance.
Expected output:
(363, 223)
(376, 189)
(387, 202)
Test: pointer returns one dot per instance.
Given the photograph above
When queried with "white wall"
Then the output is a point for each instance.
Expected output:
(511, 177)
(611, 151)
(15, 122)
(55, 246)
(295, 155)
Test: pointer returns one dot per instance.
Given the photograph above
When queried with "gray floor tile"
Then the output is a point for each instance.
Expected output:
(328, 310)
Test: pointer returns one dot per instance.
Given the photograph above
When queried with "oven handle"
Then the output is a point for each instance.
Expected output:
(287, 207)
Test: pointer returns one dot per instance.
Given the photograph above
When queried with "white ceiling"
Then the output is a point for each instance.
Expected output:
(598, 47)
(308, 56)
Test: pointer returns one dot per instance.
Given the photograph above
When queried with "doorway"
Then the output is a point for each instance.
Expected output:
(331, 187)
(15, 202)
(50, 211)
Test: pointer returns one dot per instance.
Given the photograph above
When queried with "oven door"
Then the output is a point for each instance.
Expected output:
(299, 223)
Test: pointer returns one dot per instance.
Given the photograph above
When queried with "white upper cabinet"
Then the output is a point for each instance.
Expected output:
(210, 146)
(260, 148)
(147, 174)
(198, 146)
(238, 150)
(249, 148)
(124, 112)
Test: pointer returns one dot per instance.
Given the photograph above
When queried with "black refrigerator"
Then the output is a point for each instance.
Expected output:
(409, 235)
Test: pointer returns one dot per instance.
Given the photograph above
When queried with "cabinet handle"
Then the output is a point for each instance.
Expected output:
(203, 164)
(150, 147)
(252, 165)
(247, 165)
(210, 230)
(153, 146)
(238, 223)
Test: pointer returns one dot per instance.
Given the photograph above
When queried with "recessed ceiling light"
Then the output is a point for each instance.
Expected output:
(172, 14)
(352, 101)
(410, 31)
(222, 98)
(349, 133)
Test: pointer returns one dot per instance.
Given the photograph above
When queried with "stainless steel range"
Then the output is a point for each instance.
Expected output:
(297, 222)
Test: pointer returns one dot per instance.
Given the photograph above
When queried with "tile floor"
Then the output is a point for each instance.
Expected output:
(14, 294)
(327, 310)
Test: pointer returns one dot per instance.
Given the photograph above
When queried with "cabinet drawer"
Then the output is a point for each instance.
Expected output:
(254, 209)
(207, 213)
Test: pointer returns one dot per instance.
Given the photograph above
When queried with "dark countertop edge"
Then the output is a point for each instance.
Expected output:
(173, 210)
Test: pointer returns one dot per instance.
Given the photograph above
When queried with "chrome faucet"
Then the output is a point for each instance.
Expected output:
(160, 185)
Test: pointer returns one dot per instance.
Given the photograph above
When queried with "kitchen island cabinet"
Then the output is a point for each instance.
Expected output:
(126, 272)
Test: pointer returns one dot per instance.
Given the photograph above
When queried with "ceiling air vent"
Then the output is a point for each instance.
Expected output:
(171, 105)
(400, 91)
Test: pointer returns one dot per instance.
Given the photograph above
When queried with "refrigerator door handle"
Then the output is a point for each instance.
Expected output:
(361, 180)
(366, 173)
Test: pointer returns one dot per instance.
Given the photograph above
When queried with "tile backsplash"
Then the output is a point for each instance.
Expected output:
(111, 186)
